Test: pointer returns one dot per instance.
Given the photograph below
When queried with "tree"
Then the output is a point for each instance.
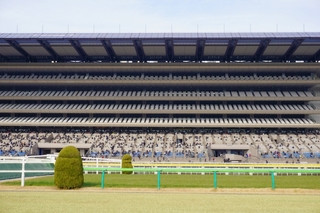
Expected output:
(68, 171)
(126, 163)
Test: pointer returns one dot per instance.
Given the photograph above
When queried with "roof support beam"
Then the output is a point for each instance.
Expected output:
(3, 58)
(45, 44)
(316, 56)
(230, 49)
(108, 47)
(17, 46)
(200, 49)
(263, 46)
(169, 50)
(77, 46)
(138, 46)
(294, 46)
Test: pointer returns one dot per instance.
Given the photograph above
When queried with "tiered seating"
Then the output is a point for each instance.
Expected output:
(199, 147)
(156, 122)
(19, 144)
(281, 145)
(97, 145)
(309, 142)
(236, 139)
(159, 145)
(142, 77)
(189, 145)
(295, 140)
(139, 148)
(179, 147)
(170, 141)
(227, 139)
(149, 144)
(129, 146)
(217, 139)
(313, 139)
(270, 145)
(288, 141)
(131, 108)
(158, 94)
(208, 140)
(261, 147)
(165, 145)
(247, 140)
(123, 100)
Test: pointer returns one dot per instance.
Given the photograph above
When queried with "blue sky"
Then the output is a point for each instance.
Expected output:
(85, 16)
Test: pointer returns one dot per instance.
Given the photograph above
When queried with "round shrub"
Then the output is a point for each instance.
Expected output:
(68, 171)
(126, 163)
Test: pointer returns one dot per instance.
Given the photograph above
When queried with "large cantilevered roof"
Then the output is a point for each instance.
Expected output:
(114, 47)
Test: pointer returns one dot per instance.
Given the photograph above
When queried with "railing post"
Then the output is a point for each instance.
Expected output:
(23, 171)
(273, 184)
(158, 174)
(102, 179)
(97, 165)
(215, 179)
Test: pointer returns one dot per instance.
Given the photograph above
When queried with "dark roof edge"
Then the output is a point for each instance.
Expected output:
(205, 35)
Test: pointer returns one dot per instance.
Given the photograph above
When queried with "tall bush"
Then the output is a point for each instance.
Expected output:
(68, 171)
(127, 163)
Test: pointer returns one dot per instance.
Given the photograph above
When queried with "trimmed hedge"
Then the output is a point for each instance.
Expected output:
(68, 172)
(126, 163)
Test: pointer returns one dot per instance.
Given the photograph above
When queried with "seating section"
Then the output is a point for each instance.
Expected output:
(159, 94)
(20, 144)
(162, 116)
(168, 77)
(155, 122)
(152, 108)
(165, 145)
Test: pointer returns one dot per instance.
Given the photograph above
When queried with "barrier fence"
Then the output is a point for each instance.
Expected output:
(44, 165)
(39, 165)
(21, 167)
(213, 171)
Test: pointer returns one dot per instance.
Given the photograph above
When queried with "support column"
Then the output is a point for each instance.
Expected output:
(215, 180)
(159, 180)
(23, 171)
(102, 180)
(273, 184)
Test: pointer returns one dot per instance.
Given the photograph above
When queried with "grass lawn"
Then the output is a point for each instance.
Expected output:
(186, 181)
(109, 200)
(93, 201)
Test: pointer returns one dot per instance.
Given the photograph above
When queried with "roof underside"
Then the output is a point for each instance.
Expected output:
(162, 47)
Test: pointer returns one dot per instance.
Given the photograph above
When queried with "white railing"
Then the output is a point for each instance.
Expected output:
(23, 160)
(100, 162)
(88, 162)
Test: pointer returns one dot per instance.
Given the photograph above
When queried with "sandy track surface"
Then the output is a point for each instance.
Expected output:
(5, 188)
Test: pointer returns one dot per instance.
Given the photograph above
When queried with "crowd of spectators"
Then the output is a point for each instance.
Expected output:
(164, 144)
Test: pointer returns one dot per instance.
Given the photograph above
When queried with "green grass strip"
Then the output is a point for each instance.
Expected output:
(186, 181)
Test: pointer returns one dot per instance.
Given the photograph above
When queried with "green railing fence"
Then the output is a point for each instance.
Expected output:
(213, 171)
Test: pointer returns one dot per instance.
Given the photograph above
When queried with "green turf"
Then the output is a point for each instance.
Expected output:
(186, 181)
(104, 201)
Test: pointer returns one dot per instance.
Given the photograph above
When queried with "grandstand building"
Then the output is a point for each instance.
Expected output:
(161, 96)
